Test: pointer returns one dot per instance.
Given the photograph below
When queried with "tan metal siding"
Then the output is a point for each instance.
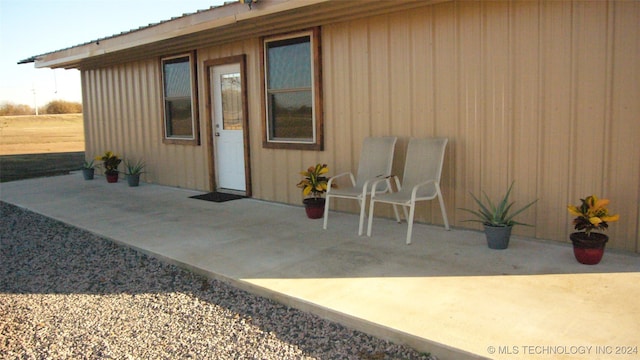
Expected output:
(622, 164)
(444, 90)
(534, 92)
(541, 92)
(525, 43)
(123, 113)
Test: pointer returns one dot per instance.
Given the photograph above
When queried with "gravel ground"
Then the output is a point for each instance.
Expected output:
(66, 293)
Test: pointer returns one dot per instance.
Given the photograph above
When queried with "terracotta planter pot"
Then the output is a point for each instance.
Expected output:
(112, 178)
(314, 207)
(588, 250)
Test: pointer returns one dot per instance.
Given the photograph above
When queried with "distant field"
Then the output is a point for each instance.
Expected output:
(30, 134)
(36, 146)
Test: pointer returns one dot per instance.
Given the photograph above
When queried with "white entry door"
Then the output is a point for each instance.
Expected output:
(228, 120)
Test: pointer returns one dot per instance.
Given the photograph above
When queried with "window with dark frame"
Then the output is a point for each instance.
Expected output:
(178, 95)
(292, 89)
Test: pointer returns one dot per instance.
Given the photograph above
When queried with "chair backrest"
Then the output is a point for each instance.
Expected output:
(424, 161)
(376, 158)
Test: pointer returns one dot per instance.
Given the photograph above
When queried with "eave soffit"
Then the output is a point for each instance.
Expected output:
(216, 26)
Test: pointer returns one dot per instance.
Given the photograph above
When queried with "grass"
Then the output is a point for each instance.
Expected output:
(30, 134)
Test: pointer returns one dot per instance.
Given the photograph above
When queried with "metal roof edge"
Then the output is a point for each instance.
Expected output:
(189, 23)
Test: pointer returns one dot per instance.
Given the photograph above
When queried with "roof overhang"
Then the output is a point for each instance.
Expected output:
(215, 26)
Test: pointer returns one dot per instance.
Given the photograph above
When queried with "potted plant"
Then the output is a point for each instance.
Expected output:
(591, 214)
(133, 171)
(313, 185)
(497, 219)
(110, 161)
(88, 170)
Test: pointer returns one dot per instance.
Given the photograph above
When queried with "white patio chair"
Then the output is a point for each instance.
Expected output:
(375, 163)
(421, 181)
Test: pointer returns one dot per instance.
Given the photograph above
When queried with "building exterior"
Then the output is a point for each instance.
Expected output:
(543, 93)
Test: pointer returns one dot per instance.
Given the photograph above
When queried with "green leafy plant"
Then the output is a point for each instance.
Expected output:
(88, 164)
(110, 161)
(497, 214)
(592, 214)
(134, 168)
(314, 181)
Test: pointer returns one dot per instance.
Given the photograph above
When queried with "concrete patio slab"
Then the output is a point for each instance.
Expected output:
(447, 293)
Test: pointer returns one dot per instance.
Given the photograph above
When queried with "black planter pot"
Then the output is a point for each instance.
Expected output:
(133, 179)
(498, 236)
(88, 173)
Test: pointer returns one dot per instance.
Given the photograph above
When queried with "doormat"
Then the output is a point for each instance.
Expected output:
(217, 197)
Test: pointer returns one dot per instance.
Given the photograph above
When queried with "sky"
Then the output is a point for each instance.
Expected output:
(34, 27)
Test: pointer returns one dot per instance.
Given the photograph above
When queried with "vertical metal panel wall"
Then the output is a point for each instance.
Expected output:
(123, 114)
(543, 93)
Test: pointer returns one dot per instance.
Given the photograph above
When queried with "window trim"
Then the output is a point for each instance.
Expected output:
(316, 89)
(194, 139)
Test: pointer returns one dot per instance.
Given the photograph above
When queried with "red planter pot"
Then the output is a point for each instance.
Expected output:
(112, 178)
(588, 250)
(314, 207)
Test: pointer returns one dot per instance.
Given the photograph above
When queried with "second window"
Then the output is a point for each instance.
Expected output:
(292, 91)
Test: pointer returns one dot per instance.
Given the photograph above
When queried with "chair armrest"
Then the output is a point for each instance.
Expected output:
(388, 178)
(414, 191)
(374, 182)
(330, 183)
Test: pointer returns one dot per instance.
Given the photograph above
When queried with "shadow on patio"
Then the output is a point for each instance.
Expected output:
(444, 293)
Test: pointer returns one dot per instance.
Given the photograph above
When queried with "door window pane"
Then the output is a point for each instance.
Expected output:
(231, 101)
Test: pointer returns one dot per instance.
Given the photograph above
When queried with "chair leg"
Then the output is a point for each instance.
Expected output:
(371, 205)
(362, 213)
(442, 208)
(404, 210)
(326, 213)
(395, 210)
(395, 207)
(412, 212)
